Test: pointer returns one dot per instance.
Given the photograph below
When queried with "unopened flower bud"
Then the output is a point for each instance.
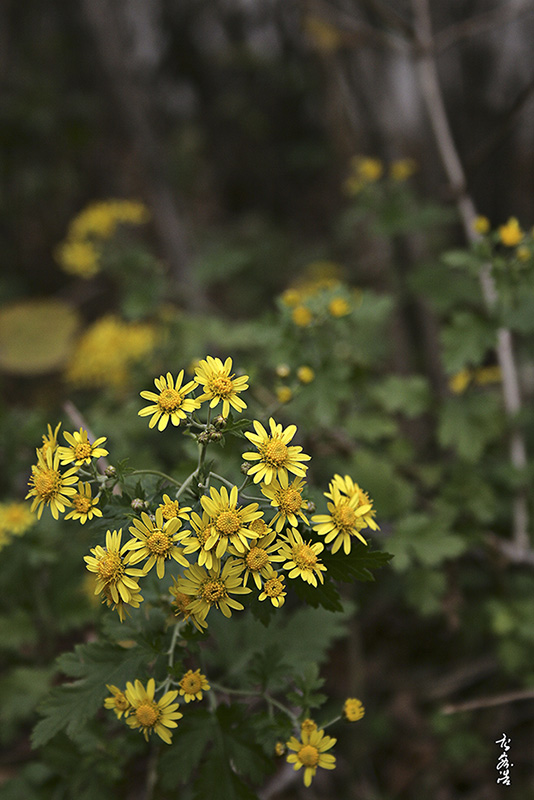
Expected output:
(220, 422)
(203, 437)
(310, 507)
(215, 436)
(245, 466)
(137, 504)
(110, 472)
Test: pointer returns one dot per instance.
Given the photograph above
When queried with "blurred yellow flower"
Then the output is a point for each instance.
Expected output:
(283, 394)
(511, 233)
(353, 709)
(481, 225)
(305, 374)
(301, 316)
(402, 169)
(339, 307)
(459, 382)
(78, 257)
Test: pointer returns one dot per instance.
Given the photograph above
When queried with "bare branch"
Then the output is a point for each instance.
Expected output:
(488, 702)
(481, 23)
(356, 31)
(433, 99)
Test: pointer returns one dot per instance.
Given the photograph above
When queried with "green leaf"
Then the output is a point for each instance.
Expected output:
(425, 539)
(357, 565)
(425, 589)
(407, 395)
(16, 629)
(461, 259)
(324, 594)
(466, 341)
(182, 757)
(469, 423)
(70, 706)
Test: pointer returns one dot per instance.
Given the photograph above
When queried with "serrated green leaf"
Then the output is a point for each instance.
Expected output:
(466, 341)
(356, 565)
(70, 706)
(324, 594)
(425, 539)
(469, 423)
(178, 761)
(408, 395)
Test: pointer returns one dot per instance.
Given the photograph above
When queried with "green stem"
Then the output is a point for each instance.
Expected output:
(332, 721)
(170, 653)
(267, 697)
(155, 472)
(222, 480)
(186, 483)
(280, 706)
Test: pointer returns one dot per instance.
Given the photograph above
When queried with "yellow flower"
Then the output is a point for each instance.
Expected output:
(275, 456)
(81, 450)
(310, 753)
(50, 439)
(279, 749)
(305, 374)
(353, 709)
(283, 370)
(107, 350)
(219, 385)
(301, 316)
(101, 219)
(15, 518)
(228, 521)
(523, 253)
(291, 297)
(84, 504)
(308, 725)
(486, 375)
(301, 557)
(368, 170)
(511, 233)
(481, 225)
(182, 603)
(350, 512)
(192, 685)
(151, 715)
(339, 307)
(324, 36)
(283, 394)
(256, 561)
(157, 542)
(197, 538)
(49, 486)
(118, 702)
(78, 257)
(287, 498)
(459, 382)
(273, 588)
(113, 578)
(212, 587)
(172, 509)
(171, 402)
(402, 169)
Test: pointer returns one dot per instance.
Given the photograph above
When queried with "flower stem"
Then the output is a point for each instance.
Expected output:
(156, 472)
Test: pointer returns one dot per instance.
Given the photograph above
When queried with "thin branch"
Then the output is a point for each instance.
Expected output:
(481, 23)
(433, 99)
(488, 702)
(358, 32)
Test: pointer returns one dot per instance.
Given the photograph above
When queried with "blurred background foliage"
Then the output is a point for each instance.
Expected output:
(183, 177)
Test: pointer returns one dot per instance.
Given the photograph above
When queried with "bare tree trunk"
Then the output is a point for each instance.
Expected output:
(128, 72)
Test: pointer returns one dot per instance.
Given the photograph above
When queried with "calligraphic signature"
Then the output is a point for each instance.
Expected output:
(504, 763)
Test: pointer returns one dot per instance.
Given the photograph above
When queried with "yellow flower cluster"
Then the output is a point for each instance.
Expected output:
(365, 171)
(482, 376)
(15, 519)
(79, 253)
(107, 350)
(319, 294)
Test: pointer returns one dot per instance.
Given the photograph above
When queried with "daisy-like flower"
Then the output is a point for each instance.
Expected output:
(349, 514)
(50, 439)
(84, 504)
(212, 588)
(182, 604)
(15, 518)
(49, 486)
(151, 715)
(256, 561)
(353, 709)
(310, 753)
(157, 542)
(287, 498)
(273, 589)
(121, 606)
(308, 725)
(275, 456)
(301, 557)
(219, 385)
(118, 702)
(172, 508)
(81, 450)
(197, 538)
(192, 685)
(228, 521)
(171, 403)
(113, 578)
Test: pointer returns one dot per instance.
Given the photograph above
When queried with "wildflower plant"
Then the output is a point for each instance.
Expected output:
(190, 558)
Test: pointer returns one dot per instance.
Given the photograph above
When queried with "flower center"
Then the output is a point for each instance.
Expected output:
(256, 558)
(170, 400)
(191, 684)
(212, 590)
(121, 702)
(47, 483)
(147, 714)
(170, 510)
(159, 543)
(221, 386)
(228, 522)
(110, 567)
(308, 755)
(344, 518)
(304, 557)
(273, 587)
(82, 451)
(275, 453)
(81, 503)
(181, 601)
(289, 501)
